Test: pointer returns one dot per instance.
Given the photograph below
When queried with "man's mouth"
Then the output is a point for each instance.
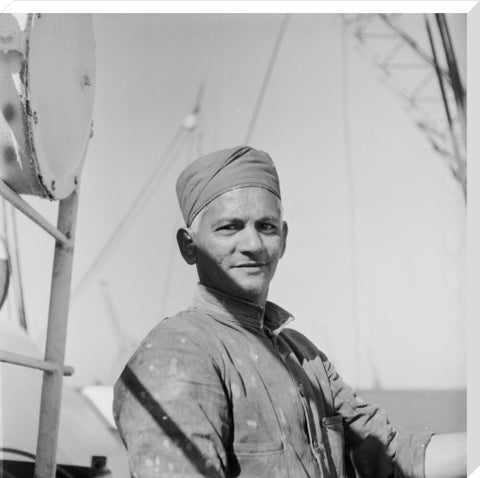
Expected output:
(251, 265)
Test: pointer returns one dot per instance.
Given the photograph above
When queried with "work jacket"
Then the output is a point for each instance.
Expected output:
(224, 389)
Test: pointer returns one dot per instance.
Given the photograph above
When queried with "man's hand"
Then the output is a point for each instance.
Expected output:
(446, 456)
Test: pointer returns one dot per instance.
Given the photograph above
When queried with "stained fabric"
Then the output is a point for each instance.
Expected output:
(216, 173)
(225, 389)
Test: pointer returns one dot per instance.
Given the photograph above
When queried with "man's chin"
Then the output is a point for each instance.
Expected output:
(251, 290)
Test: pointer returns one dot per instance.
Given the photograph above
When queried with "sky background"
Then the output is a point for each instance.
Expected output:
(403, 283)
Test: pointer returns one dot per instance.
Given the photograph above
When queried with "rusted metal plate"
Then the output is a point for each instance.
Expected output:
(47, 79)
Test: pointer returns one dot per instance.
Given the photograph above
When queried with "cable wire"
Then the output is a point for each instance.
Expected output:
(351, 207)
(5, 232)
(459, 89)
(13, 260)
(194, 148)
(266, 78)
(459, 172)
(17, 271)
(145, 193)
(457, 86)
(171, 256)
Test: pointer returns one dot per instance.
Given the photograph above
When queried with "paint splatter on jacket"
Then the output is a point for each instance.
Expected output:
(224, 389)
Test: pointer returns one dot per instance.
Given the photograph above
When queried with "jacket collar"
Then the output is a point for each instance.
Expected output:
(228, 308)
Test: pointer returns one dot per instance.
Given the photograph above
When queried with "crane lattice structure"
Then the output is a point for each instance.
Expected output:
(404, 48)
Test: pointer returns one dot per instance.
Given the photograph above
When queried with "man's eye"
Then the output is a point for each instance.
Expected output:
(268, 227)
(228, 227)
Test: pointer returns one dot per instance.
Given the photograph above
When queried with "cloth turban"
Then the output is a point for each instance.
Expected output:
(216, 173)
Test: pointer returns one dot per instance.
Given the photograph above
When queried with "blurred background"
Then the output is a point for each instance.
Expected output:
(353, 117)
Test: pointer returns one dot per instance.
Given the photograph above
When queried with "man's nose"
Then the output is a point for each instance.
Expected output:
(250, 240)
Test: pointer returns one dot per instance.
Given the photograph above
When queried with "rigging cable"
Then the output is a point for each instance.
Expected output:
(458, 171)
(171, 256)
(266, 78)
(17, 271)
(144, 194)
(125, 345)
(193, 148)
(4, 271)
(13, 260)
(9, 264)
(351, 206)
(458, 89)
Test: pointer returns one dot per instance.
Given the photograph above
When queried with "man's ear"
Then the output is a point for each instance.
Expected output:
(284, 237)
(186, 245)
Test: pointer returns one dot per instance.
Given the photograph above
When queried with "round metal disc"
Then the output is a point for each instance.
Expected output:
(59, 92)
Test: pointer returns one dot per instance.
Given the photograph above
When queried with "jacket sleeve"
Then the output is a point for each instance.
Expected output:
(377, 449)
(171, 410)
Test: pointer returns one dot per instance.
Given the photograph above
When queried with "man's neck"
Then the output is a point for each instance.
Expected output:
(259, 300)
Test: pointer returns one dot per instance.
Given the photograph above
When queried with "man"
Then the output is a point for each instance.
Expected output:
(224, 389)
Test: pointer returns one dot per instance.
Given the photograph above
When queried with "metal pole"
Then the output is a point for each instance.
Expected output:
(32, 362)
(19, 203)
(45, 465)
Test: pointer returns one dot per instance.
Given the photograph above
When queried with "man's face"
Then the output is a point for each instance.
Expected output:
(239, 241)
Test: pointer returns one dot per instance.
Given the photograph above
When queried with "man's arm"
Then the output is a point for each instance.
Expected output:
(445, 456)
(171, 410)
(376, 448)
(376, 443)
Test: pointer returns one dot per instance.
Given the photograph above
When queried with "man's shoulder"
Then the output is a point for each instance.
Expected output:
(189, 323)
(185, 336)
